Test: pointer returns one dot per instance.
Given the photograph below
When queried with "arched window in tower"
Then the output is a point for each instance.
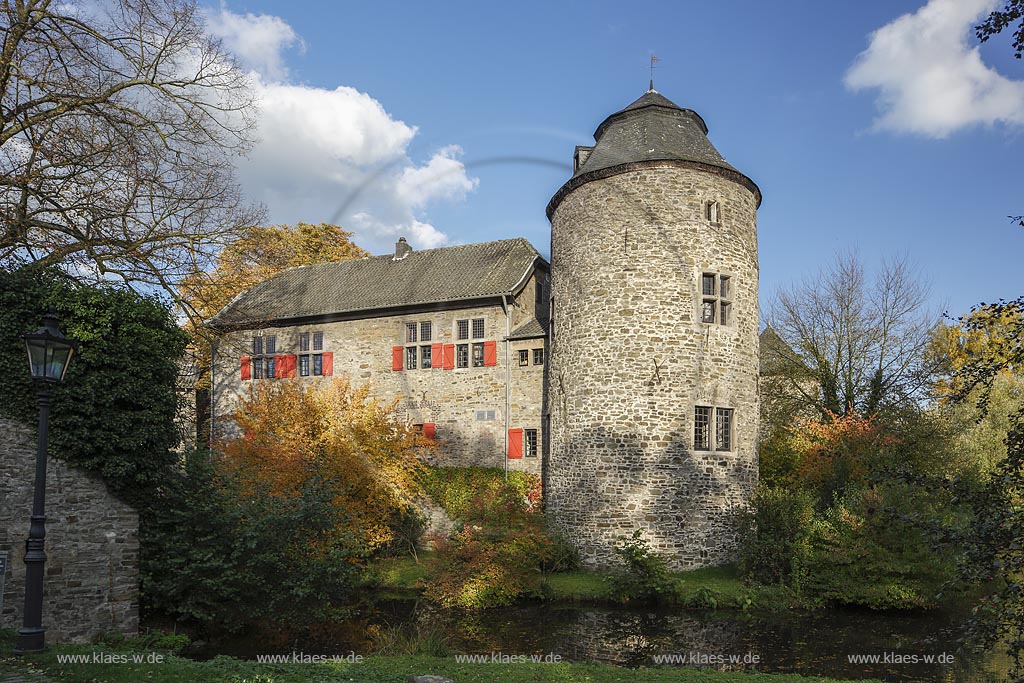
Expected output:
(713, 213)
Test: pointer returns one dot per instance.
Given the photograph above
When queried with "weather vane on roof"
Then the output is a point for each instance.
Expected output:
(654, 60)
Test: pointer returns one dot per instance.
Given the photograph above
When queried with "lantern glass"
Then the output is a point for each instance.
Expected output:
(49, 353)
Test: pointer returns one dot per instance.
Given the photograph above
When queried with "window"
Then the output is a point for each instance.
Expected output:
(304, 365)
(485, 415)
(304, 341)
(531, 442)
(262, 362)
(462, 356)
(318, 341)
(462, 329)
(524, 357)
(425, 332)
(418, 332)
(318, 364)
(723, 429)
(425, 359)
(410, 357)
(478, 328)
(716, 298)
(702, 428)
(478, 355)
(538, 356)
(410, 333)
(713, 213)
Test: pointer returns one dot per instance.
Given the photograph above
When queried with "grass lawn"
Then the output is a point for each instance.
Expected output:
(372, 670)
(717, 587)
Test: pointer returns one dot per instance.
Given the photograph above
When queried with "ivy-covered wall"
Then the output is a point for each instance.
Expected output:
(115, 413)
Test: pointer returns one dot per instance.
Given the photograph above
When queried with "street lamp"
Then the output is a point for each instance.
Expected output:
(49, 353)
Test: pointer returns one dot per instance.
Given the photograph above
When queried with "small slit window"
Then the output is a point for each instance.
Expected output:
(713, 213)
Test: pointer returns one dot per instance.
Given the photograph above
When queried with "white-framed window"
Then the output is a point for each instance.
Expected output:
(718, 438)
(486, 415)
(478, 328)
(531, 443)
(462, 356)
(538, 356)
(410, 357)
(716, 298)
(462, 330)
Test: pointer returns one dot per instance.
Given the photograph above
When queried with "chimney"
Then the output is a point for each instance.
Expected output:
(402, 249)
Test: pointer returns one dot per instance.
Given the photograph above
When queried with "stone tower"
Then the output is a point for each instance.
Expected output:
(652, 382)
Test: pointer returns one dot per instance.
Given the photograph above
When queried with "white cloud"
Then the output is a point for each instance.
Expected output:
(335, 155)
(258, 40)
(930, 80)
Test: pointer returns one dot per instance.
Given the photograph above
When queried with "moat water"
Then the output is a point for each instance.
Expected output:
(908, 646)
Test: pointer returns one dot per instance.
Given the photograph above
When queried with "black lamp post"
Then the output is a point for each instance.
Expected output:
(49, 353)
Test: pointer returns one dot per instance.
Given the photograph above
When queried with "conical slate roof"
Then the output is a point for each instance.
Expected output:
(653, 128)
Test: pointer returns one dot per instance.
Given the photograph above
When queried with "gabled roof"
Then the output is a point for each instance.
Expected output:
(776, 356)
(653, 128)
(530, 330)
(433, 276)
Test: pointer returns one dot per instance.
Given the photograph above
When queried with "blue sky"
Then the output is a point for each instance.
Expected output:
(455, 122)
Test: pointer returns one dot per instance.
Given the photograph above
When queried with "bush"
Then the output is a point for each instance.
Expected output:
(499, 553)
(776, 536)
(454, 488)
(646, 577)
(224, 561)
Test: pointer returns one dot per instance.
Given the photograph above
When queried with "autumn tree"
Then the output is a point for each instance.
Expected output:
(853, 344)
(259, 253)
(292, 434)
(119, 122)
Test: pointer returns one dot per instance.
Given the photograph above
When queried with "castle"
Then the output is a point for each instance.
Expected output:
(624, 372)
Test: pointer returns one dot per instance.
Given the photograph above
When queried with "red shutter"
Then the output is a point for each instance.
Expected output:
(436, 356)
(279, 366)
(515, 443)
(246, 368)
(396, 357)
(491, 354)
(429, 429)
(289, 365)
(328, 364)
(449, 356)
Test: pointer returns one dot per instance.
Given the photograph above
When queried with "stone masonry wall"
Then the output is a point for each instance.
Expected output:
(454, 400)
(92, 545)
(631, 359)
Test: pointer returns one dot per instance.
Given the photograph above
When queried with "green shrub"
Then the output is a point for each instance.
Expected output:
(776, 534)
(454, 488)
(223, 561)
(646, 577)
(498, 554)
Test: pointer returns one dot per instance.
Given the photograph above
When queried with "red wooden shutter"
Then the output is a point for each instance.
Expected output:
(449, 356)
(246, 368)
(328, 364)
(289, 365)
(491, 354)
(515, 443)
(280, 367)
(436, 356)
(396, 357)
(429, 429)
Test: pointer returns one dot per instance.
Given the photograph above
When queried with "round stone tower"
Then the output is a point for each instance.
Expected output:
(652, 381)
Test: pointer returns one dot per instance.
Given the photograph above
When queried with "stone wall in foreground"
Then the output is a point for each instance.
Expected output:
(92, 545)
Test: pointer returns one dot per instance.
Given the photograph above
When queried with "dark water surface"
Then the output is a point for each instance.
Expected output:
(810, 643)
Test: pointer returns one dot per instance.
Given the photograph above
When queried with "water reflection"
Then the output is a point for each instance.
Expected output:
(810, 643)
